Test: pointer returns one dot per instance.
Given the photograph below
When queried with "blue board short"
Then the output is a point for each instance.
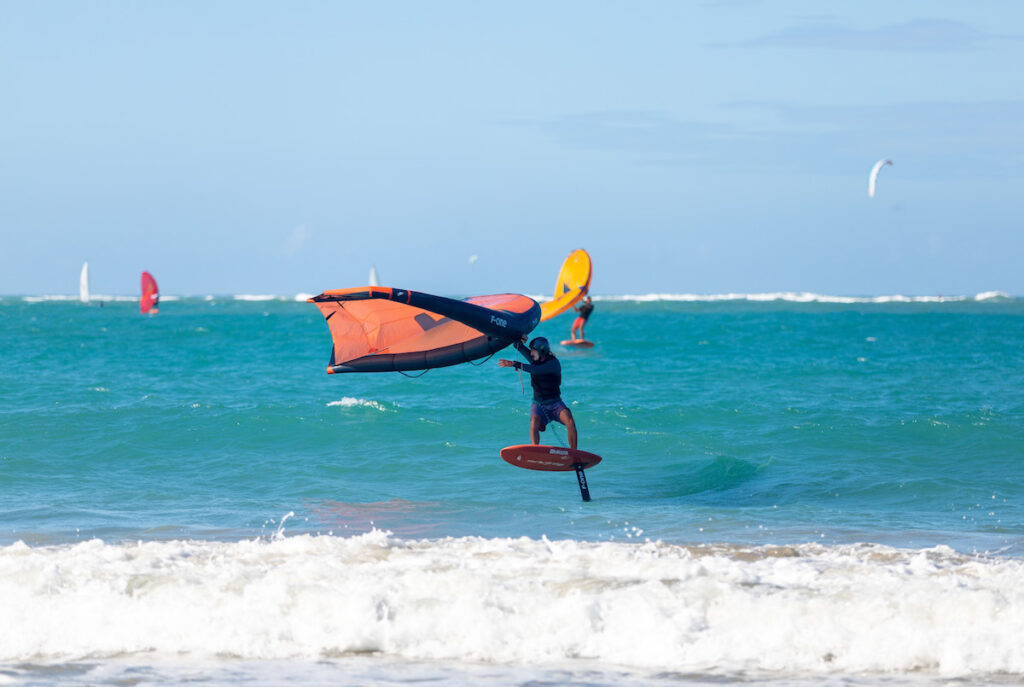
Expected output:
(548, 412)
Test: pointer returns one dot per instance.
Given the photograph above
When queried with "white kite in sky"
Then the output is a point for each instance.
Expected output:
(874, 175)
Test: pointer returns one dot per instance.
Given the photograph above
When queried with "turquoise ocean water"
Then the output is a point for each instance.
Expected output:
(795, 490)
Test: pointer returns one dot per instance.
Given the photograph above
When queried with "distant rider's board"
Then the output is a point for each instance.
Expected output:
(552, 459)
(578, 343)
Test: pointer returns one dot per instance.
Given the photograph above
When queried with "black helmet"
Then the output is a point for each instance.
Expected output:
(541, 345)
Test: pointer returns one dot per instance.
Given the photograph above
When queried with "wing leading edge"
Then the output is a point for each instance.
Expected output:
(380, 329)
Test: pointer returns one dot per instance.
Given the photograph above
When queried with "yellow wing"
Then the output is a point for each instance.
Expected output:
(573, 283)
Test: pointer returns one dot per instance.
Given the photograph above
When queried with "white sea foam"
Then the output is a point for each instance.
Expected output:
(40, 299)
(256, 297)
(991, 295)
(654, 606)
(800, 297)
(93, 297)
(108, 298)
(349, 402)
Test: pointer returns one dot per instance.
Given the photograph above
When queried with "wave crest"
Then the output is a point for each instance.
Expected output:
(801, 297)
(657, 606)
(349, 402)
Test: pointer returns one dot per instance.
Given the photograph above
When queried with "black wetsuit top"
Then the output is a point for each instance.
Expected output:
(585, 310)
(545, 376)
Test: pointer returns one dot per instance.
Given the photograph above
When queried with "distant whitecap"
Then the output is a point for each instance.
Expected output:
(349, 402)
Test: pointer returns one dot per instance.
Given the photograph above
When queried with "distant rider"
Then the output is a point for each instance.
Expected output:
(584, 309)
(546, 380)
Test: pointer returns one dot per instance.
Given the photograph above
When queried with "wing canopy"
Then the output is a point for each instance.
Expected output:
(573, 283)
(379, 329)
(873, 177)
(83, 283)
(150, 294)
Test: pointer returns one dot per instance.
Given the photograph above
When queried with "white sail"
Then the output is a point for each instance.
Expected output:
(373, 276)
(83, 284)
(873, 177)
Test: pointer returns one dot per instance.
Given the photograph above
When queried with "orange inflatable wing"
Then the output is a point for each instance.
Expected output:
(377, 329)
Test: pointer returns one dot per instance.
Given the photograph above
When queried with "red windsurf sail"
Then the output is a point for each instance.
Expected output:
(150, 294)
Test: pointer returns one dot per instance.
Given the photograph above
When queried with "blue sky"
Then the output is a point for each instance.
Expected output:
(691, 147)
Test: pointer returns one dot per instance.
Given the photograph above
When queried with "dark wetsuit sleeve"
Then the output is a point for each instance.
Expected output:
(549, 366)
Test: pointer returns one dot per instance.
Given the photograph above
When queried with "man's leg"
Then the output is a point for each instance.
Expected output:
(534, 429)
(570, 425)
